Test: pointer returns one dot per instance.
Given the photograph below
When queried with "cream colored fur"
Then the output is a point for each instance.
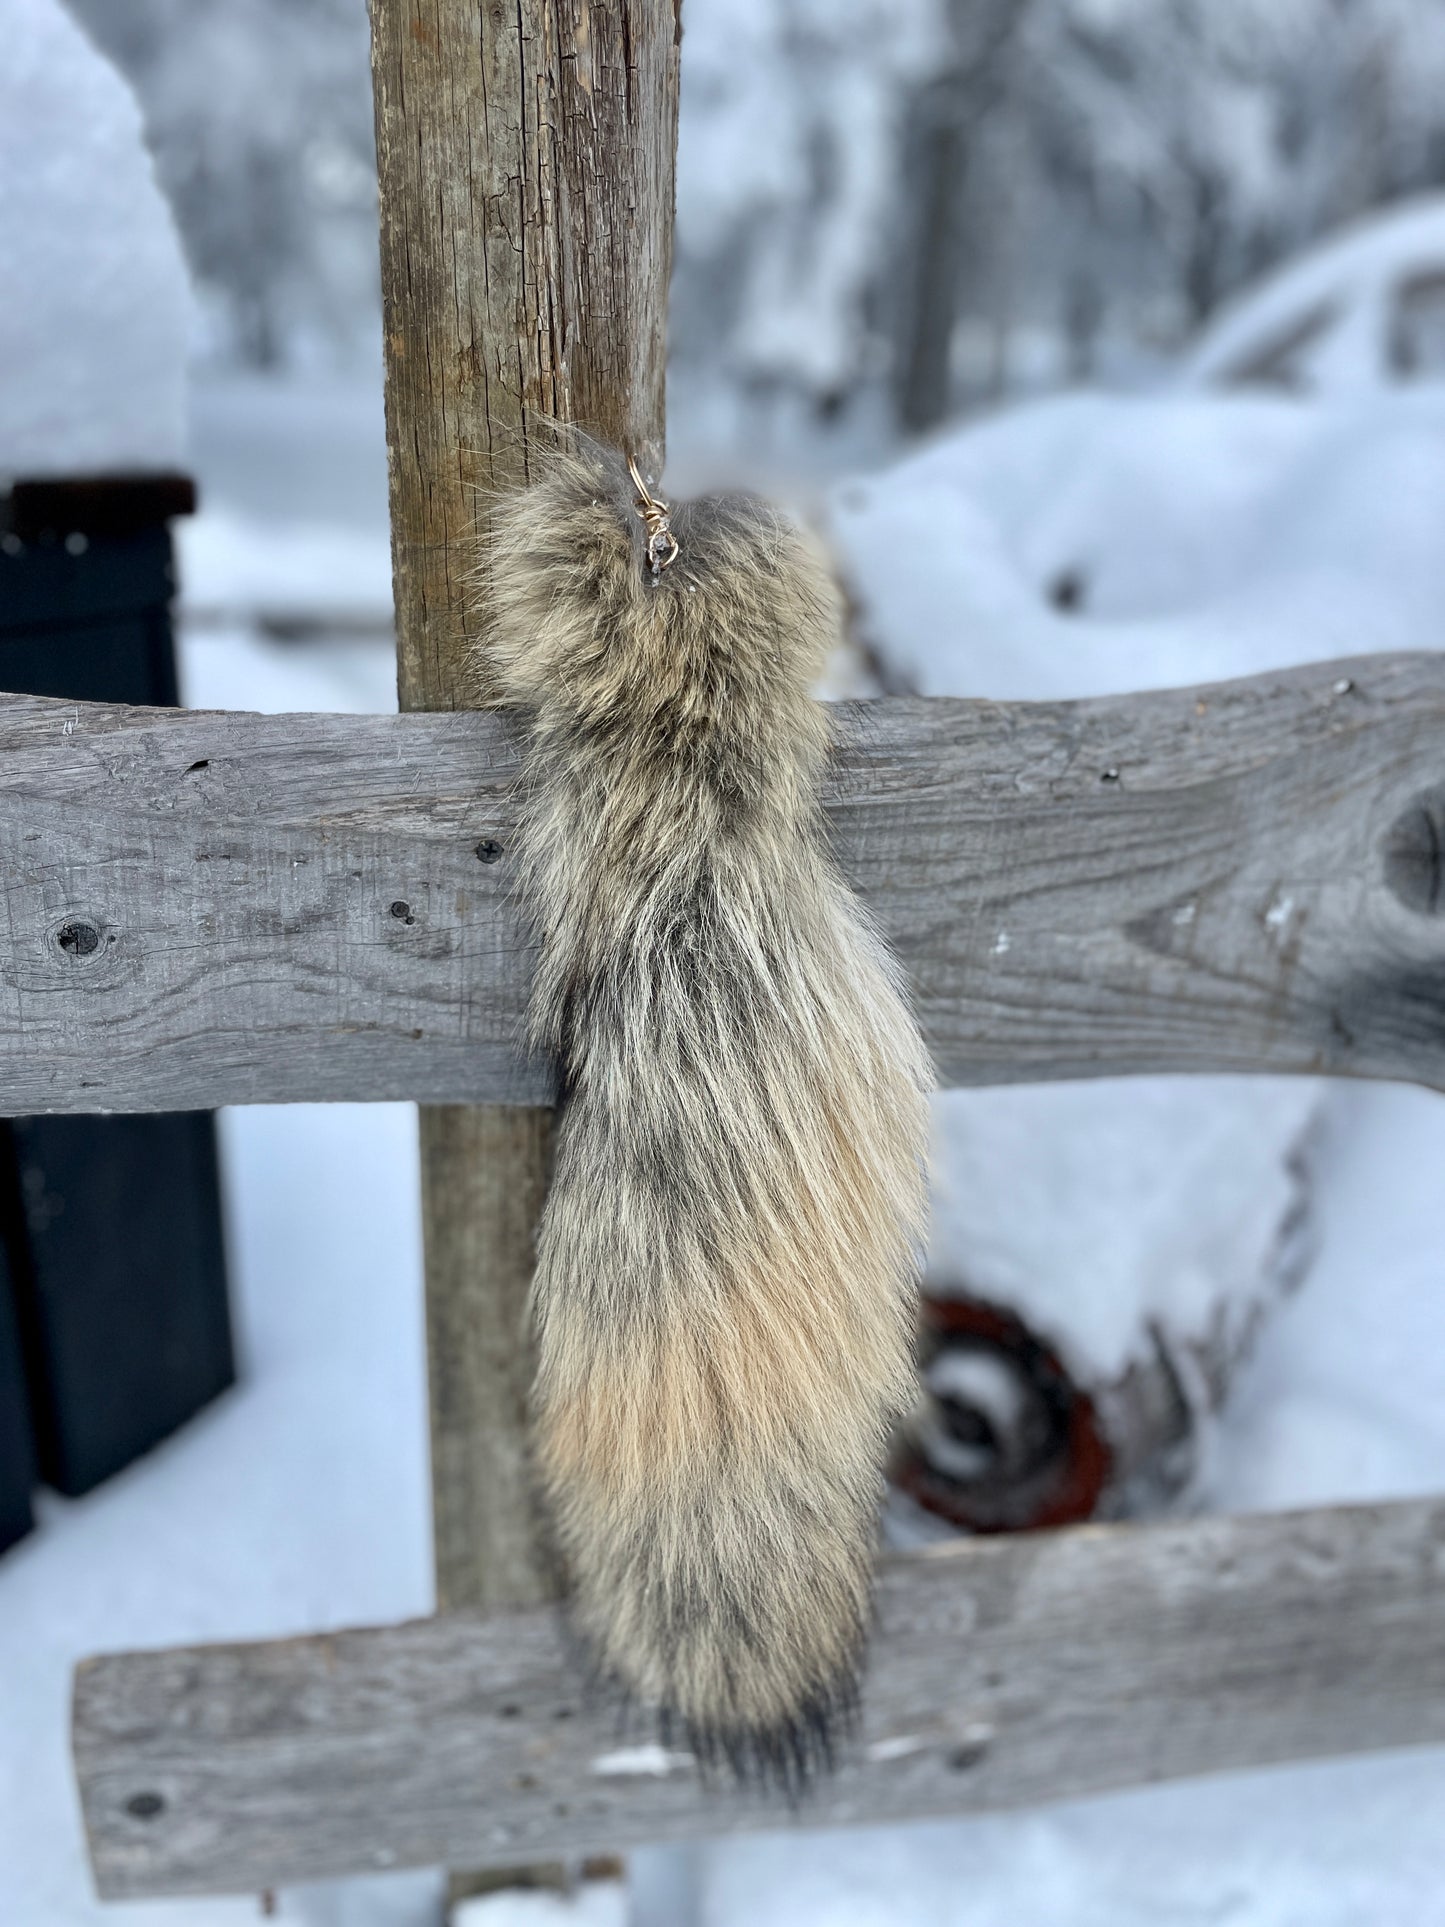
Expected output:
(725, 1289)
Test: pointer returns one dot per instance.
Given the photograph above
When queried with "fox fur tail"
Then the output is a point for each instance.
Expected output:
(724, 1302)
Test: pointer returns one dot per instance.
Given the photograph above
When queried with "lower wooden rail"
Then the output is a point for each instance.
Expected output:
(1004, 1672)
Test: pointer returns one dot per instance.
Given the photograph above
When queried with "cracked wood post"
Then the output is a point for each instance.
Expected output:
(525, 155)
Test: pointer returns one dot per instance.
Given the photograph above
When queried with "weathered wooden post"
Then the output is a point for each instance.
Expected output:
(525, 155)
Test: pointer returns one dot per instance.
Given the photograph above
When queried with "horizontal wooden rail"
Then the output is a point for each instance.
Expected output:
(1004, 1672)
(225, 908)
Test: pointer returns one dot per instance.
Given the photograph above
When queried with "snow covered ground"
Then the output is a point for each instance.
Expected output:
(300, 1500)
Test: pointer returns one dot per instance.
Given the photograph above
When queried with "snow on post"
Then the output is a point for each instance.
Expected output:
(95, 304)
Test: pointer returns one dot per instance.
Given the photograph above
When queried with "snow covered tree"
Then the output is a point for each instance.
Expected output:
(945, 199)
(259, 113)
(788, 181)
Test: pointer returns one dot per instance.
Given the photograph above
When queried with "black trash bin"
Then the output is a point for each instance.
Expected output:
(114, 1327)
(17, 1447)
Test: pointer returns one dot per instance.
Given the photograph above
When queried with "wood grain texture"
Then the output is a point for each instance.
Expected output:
(1004, 1672)
(1239, 878)
(525, 157)
(486, 1175)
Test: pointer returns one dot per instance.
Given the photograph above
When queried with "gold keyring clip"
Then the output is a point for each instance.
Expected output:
(662, 545)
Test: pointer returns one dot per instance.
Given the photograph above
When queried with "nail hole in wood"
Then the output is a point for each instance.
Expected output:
(402, 912)
(145, 1806)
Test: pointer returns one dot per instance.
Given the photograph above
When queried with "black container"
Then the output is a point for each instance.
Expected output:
(114, 1288)
(17, 1450)
(125, 1307)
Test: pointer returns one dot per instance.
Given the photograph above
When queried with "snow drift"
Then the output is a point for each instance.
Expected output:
(95, 307)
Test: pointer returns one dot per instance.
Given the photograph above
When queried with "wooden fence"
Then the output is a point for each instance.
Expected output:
(1004, 1672)
(215, 909)
(208, 908)
(225, 908)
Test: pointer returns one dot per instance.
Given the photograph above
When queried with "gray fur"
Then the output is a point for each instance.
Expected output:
(725, 1289)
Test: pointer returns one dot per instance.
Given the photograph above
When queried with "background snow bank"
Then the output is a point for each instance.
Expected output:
(1105, 1212)
(1198, 537)
(1087, 546)
(95, 310)
(1357, 312)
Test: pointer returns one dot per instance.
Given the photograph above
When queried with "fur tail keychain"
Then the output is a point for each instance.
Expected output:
(724, 1299)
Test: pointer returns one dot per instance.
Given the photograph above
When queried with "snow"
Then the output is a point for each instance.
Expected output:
(95, 307)
(288, 449)
(1122, 167)
(292, 534)
(235, 564)
(1344, 1401)
(787, 176)
(1321, 1846)
(1105, 1212)
(650, 1762)
(293, 520)
(599, 1903)
(230, 666)
(1339, 300)
(259, 113)
(1209, 535)
(300, 1501)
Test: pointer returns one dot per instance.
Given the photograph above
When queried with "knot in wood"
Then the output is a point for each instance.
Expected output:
(77, 938)
(1414, 853)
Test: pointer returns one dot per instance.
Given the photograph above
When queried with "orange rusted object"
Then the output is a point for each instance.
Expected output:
(1005, 1439)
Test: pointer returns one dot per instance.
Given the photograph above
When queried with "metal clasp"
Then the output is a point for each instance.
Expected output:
(662, 545)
